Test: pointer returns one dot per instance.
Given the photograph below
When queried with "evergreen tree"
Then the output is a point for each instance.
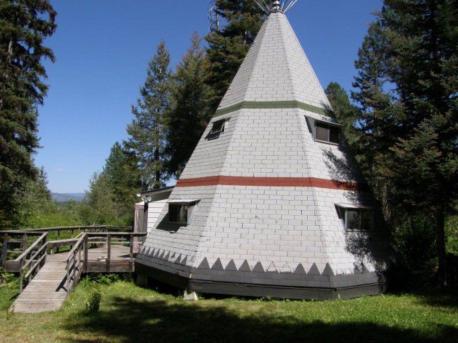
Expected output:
(148, 130)
(123, 178)
(36, 199)
(344, 112)
(113, 192)
(100, 204)
(236, 27)
(190, 111)
(406, 89)
(23, 27)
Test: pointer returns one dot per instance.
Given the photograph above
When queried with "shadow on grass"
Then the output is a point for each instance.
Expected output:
(157, 321)
(445, 299)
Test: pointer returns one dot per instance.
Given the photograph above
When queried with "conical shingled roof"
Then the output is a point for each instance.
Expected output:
(276, 69)
(263, 194)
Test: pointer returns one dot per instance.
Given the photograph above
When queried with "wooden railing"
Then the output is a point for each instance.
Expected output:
(14, 243)
(91, 252)
(75, 262)
(65, 232)
(79, 259)
(30, 261)
(111, 240)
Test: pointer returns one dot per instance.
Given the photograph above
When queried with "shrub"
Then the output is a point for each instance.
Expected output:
(107, 279)
(415, 262)
(6, 278)
(93, 301)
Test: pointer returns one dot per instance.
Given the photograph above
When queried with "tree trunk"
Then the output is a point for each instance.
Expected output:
(157, 181)
(441, 250)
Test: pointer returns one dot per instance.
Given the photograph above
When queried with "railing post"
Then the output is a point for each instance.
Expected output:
(4, 255)
(86, 252)
(79, 254)
(132, 241)
(21, 277)
(131, 253)
(24, 242)
(108, 252)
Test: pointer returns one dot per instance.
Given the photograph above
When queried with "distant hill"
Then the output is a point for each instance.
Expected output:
(64, 197)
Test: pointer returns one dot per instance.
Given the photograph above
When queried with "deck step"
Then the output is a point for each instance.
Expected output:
(37, 306)
(45, 292)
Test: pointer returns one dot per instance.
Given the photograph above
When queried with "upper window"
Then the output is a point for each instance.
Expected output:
(324, 131)
(217, 129)
(180, 211)
(356, 218)
(327, 133)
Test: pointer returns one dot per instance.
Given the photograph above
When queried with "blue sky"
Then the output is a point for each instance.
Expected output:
(102, 48)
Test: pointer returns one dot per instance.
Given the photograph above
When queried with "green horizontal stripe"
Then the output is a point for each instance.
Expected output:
(271, 105)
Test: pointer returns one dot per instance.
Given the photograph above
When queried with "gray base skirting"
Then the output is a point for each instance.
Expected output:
(351, 286)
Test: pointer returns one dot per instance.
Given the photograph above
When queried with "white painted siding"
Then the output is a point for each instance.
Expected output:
(154, 210)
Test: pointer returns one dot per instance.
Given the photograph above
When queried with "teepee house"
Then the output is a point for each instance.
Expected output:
(268, 204)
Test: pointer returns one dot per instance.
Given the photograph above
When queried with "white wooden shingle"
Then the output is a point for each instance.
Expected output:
(269, 228)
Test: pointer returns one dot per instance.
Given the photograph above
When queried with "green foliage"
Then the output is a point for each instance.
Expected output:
(411, 234)
(407, 120)
(38, 210)
(238, 22)
(92, 304)
(113, 193)
(23, 27)
(100, 205)
(9, 288)
(344, 112)
(54, 214)
(36, 198)
(416, 255)
(190, 112)
(148, 130)
(107, 279)
(451, 230)
(124, 178)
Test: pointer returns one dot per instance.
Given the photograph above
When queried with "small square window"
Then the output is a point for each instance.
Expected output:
(358, 219)
(327, 133)
(322, 133)
(217, 129)
(352, 220)
(178, 213)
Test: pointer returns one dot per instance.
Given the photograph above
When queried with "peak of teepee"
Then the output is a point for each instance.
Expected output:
(276, 68)
(276, 5)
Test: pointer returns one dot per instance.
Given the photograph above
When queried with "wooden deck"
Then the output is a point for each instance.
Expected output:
(46, 278)
(47, 291)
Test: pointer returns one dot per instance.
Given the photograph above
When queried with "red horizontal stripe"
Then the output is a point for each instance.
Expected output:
(266, 182)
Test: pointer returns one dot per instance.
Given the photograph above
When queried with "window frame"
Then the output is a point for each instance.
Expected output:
(178, 208)
(313, 124)
(188, 206)
(344, 210)
(215, 133)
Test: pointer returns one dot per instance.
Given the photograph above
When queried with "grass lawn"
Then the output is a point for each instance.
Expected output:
(132, 314)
